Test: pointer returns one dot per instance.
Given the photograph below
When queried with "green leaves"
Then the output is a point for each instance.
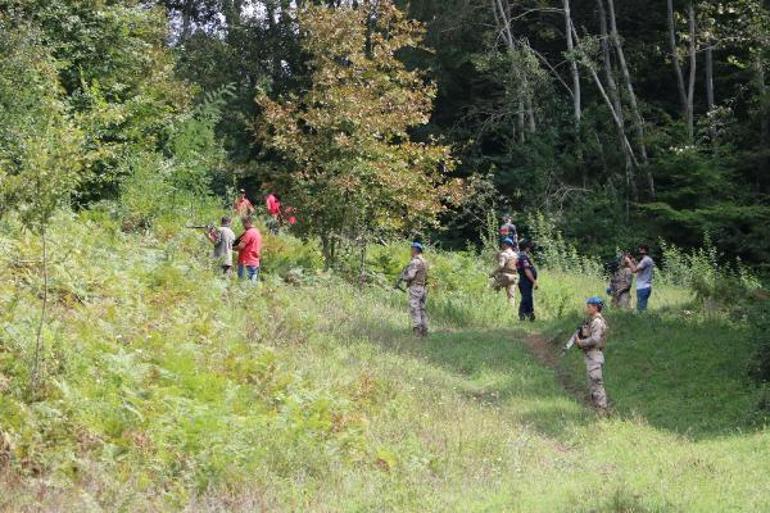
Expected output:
(352, 168)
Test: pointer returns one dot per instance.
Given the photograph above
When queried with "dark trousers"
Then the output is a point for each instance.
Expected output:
(527, 303)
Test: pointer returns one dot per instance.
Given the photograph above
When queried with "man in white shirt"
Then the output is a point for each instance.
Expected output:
(644, 272)
(223, 238)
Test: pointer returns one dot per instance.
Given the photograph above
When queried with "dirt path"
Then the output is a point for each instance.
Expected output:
(547, 354)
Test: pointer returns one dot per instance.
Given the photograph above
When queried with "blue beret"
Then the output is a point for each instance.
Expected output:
(595, 300)
(419, 247)
(508, 240)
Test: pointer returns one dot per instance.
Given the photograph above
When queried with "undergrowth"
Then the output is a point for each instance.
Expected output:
(167, 388)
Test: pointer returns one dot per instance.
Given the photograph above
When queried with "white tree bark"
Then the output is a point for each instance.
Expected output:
(691, 82)
(576, 97)
(675, 54)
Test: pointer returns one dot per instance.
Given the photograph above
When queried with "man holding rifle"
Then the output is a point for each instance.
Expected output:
(591, 337)
(223, 239)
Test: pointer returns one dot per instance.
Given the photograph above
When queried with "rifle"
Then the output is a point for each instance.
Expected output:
(573, 339)
(208, 227)
(400, 280)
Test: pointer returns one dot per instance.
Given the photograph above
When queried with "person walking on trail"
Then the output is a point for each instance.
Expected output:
(644, 270)
(416, 277)
(242, 206)
(592, 339)
(223, 239)
(249, 251)
(621, 282)
(505, 276)
(508, 231)
(527, 281)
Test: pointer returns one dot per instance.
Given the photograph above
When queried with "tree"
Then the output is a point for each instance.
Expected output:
(349, 164)
(40, 146)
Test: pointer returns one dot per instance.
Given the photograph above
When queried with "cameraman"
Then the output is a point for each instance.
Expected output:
(644, 273)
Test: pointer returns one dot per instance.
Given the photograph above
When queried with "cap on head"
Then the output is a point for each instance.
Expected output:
(419, 247)
(508, 241)
(595, 300)
(242, 191)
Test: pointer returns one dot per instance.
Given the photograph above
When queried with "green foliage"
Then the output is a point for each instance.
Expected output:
(704, 271)
(555, 252)
(352, 170)
(39, 143)
(172, 389)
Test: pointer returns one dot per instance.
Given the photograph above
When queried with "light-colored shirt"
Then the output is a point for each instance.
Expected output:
(644, 273)
(223, 248)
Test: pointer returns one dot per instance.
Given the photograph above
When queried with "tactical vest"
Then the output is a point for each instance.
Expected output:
(510, 263)
(421, 276)
(603, 339)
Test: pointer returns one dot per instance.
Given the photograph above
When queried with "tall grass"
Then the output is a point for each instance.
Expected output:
(170, 389)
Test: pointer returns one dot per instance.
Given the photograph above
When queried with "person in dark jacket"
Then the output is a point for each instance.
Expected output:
(527, 281)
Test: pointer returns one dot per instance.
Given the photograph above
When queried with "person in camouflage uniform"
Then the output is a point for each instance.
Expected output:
(620, 283)
(592, 340)
(416, 277)
(505, 276)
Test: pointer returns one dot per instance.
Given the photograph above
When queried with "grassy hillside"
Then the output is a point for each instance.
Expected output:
(167, 389)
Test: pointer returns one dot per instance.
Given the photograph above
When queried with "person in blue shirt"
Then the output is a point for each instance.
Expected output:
(527, 281)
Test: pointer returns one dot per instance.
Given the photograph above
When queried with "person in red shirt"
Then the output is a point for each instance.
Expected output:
(249, 251)
(242, 205)
(273, 205)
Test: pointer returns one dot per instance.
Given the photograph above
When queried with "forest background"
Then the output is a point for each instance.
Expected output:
(623, 122)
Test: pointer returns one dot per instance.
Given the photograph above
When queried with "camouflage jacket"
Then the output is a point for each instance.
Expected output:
(416, 273)
(594, 334)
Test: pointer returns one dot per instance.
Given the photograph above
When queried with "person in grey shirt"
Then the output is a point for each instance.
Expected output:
(644, 272)
(223, 239)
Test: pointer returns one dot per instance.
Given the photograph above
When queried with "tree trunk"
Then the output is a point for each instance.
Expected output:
(630, 151)
(531, 115)
(186, 21)
(635, 111)
(675, 55)
(691, 82)
(232, 12)
(36, 362)
(764, 120)
(612, 91)
(710, 101)
(576, 100)
(362, 266)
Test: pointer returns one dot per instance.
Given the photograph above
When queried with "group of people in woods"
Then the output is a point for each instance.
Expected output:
(515, 270)
(248, 244)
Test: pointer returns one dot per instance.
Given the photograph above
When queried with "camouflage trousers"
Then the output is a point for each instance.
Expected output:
(417, 311)
(594, 362)
(508, 282)
(622, 300)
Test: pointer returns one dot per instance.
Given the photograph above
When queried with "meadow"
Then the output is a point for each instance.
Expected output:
(167, 388)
